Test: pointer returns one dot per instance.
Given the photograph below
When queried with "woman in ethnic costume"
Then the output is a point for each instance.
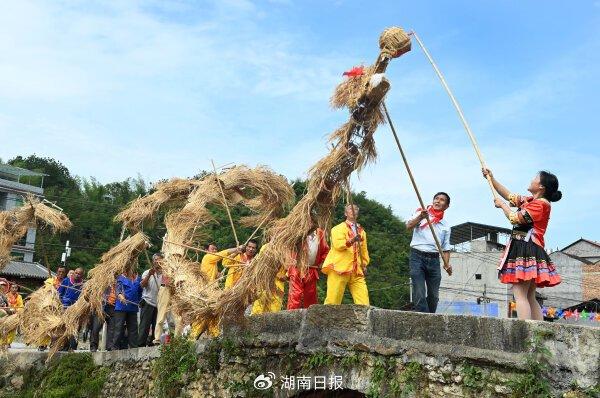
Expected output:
(525, 264)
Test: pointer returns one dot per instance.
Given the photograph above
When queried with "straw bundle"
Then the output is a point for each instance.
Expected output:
(190, 286)
(394, 42)
(41, 314)
(347, 93)
(144, 208)
(14, 224)
(118, 260)
(353, 147)
(9, 324)
(259, 189)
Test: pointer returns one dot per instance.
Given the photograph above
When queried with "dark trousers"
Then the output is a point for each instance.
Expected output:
(126, 320)
(70, 345)
(97, 323)
(426, 276)
(147, 318)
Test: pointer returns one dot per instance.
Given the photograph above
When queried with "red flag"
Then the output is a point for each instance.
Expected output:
(354, 72)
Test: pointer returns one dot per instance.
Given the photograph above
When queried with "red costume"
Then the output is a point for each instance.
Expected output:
(303, 289)
(525, 258)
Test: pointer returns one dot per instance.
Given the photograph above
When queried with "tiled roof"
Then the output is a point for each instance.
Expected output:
(23, 269)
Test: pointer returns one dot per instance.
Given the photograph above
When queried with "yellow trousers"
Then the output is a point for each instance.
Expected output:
(336, 285)
(274, 305)
(199, 327)
(163, 304)
(8, 339)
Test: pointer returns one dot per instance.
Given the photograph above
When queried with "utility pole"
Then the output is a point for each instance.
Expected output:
(485, 300)
(66, 254)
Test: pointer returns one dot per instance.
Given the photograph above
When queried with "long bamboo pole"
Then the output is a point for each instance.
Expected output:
(197, 249)
(237, 242)
(447, 266)
(458, 110)
(258, 227)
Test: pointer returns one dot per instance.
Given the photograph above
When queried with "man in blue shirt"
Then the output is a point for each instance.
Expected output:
(129, 294)
(68, 292)
(70, 288)
(424, 260)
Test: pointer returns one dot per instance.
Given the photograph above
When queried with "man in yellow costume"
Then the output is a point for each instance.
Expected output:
(237, 258)
(209, 266)
(347, 260)
(56, 280)
(274, 304)
(210, 261)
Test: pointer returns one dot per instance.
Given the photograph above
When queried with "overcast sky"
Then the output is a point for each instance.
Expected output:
(116, 89)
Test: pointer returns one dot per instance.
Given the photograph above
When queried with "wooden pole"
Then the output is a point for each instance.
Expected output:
(257, 228)
(414, 184)
(458, 110)
(237, 242)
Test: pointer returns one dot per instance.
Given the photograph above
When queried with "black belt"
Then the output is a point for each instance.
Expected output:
(427, 254)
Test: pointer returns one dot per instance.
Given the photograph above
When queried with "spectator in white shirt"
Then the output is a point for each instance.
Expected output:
(425, 272)
(151, 281)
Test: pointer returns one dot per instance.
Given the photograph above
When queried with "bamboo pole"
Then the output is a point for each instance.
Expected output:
(257, 228)
(197, 249)
(447, 266)
(458, 110)
(237, 242)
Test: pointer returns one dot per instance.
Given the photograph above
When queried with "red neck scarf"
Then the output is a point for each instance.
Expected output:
(435, 216)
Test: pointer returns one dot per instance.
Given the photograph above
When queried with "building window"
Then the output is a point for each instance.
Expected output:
(478, 276)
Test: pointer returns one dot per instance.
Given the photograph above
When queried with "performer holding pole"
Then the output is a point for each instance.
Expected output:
(525, 264)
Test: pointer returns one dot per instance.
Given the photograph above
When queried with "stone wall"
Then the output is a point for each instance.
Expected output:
(365, 350)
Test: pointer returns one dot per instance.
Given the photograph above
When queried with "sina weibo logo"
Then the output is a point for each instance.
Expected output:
(263, 382)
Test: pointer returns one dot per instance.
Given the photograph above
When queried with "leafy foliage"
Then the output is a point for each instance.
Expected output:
(177, 360)
(533, 383)
(69, 376)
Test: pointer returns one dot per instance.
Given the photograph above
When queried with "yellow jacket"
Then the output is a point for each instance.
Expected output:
(344, 259)
(209, 263)
(234, 269)
(17, 304)
(55, 283)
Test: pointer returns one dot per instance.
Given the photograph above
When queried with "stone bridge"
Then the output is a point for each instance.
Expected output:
(352, 351)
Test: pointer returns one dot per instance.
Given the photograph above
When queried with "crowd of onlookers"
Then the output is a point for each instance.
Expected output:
(130, 307)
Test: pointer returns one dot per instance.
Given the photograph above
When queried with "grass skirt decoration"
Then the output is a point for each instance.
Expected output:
(527, 261)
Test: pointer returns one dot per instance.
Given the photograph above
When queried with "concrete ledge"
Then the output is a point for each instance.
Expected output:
(135, 354)
(430, 339)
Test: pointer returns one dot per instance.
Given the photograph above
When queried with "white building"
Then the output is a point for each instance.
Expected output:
(15, 183)
(473, 288)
